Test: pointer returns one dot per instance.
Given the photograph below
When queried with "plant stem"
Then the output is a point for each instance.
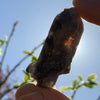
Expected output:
(98, 98)
(5, 92)
(73, 95)
(19, 64)
(7, 44)
(75, 90)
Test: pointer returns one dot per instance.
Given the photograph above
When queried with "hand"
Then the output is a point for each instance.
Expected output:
(29, 91)
(88, 10)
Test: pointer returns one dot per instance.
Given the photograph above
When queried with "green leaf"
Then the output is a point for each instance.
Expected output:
(1, 42)
(65, 88)
(80, 77)
(92, 77)
(25, 72)
(27, 52)
(5, 38)
(26, 78)
(33, 52)
(34, 58)
(94, 82)
(0, 52)
(74, 83)
(89, 85)
(16, 85)
(31, 80)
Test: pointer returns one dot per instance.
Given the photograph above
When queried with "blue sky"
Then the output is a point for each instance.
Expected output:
(35, 18)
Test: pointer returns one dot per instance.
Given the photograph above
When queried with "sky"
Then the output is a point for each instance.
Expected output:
(35, 18)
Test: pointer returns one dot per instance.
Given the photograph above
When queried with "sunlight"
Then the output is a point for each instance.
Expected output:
(79, 47)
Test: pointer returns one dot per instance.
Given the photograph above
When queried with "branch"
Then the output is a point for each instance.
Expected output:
(7, 43)
(98, 98)
(19, 63)
(73, 95)
(75, 90)
(5, 92)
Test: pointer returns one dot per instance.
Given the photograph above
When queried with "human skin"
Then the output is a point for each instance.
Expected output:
(88, 10)
(30, 91)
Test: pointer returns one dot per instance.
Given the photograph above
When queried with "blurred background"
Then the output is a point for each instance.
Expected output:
(35, 18)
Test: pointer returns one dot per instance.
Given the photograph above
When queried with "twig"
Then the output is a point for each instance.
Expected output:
(73, 95)
(19, 64)
(98, 98)
(75, 90)
(7, 43)
(5, 92)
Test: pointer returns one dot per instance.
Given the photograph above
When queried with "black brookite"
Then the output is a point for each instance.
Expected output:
(59, 48)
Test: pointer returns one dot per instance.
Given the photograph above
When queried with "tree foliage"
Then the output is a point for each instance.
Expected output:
(78, 83)
(7, 88)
